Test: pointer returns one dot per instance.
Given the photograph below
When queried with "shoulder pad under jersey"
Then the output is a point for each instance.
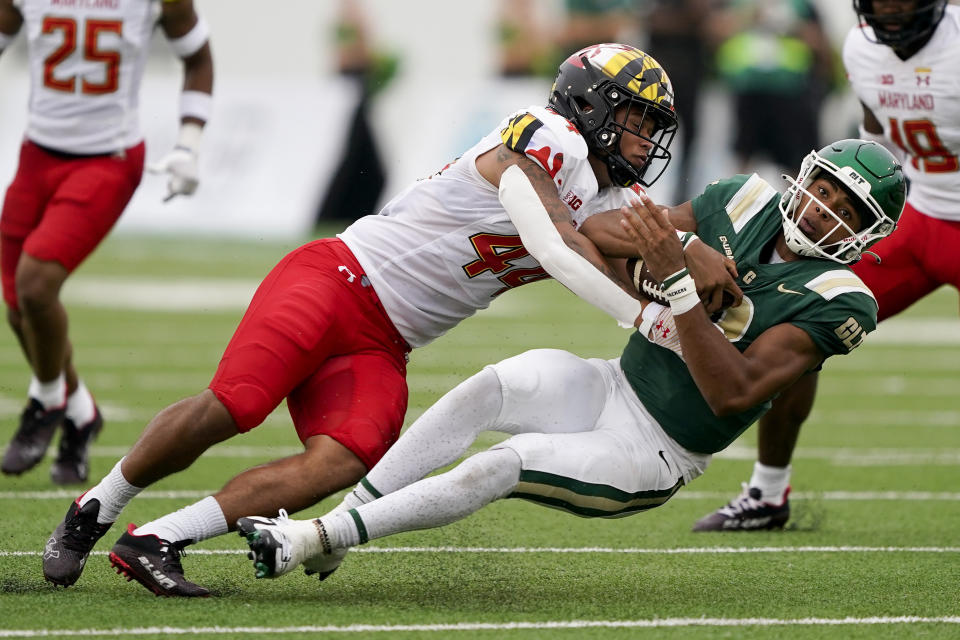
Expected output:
(548, 127)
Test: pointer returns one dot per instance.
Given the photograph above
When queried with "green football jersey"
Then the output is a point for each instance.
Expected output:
(739, 217)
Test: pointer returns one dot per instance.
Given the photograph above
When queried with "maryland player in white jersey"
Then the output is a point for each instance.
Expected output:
(80, 162)
(330, 327)
(902, 62)
(446, 246)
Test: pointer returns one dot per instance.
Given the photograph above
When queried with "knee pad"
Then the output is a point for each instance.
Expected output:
(494, 473)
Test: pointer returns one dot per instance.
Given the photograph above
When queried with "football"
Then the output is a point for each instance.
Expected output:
(648, 286)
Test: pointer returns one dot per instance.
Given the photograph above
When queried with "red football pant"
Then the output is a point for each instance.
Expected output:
(60, 208)
(922, 254)
(316, 334)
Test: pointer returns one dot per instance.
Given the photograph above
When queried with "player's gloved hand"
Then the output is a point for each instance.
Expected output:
(180, 165)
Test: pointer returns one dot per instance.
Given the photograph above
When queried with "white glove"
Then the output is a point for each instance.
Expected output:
(181, 163)
(660, 328)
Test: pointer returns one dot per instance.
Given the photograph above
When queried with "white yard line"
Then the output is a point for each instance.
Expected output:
(488, 626)
(223, 294)
(576, 550)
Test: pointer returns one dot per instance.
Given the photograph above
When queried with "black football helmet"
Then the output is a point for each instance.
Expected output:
(594, 82)
(902, 30)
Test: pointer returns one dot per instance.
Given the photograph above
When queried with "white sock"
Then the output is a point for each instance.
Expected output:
(199, 521)
(772, 481)
(439, 437)
(52, 395)
(432, 502)
(81, 408)
(360, 494)
(113, 492)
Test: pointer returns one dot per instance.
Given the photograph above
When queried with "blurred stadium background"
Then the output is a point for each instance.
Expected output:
(282, 111)
(876, 478)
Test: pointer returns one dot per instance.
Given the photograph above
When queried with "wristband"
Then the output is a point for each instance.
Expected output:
(196, 104)
(192, 41)
(649, 316)
(673, 278)
(681, 291)
(687, 238)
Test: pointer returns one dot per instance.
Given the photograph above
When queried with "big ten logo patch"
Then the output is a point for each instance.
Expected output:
(572, 200)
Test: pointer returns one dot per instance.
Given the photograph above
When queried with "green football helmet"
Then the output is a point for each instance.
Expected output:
(869, 173)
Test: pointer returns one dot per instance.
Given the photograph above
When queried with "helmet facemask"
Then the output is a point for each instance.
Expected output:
(914, 26)
(874, 223)
(608, 137)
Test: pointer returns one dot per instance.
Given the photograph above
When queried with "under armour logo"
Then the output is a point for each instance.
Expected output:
(50, 551)
(343, 269)
(665, 331)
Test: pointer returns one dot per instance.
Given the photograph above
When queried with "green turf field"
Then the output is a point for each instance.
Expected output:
(875, 552)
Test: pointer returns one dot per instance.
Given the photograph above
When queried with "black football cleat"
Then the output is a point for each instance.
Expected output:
(70, 543)
(72, 463)
(747, 512)
(154, 563)
(30, 443)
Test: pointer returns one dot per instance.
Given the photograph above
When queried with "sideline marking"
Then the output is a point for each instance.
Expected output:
(628, 550)
(490, 626)
(229, 294)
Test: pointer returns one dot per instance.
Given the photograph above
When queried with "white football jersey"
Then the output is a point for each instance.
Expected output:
(918, 103)
(445, 247)
(86, 61)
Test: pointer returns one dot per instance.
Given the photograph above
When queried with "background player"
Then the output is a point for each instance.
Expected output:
(608, 438)
(902, 64)
(330, 327)
(80, 163)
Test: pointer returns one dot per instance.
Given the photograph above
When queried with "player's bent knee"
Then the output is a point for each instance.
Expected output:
(484, 383)
(38, 282)
(201, 418)
(532, 369)
(325, 459)
(494, 473)
(482, 393)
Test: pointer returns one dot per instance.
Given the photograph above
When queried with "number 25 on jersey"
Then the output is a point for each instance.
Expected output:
(92, 30)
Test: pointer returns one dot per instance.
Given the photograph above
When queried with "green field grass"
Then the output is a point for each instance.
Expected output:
(874, 553)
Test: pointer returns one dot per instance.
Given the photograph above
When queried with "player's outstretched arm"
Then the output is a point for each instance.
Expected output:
(530, 198)
(714, 273)
(10, 22)
(189, 38)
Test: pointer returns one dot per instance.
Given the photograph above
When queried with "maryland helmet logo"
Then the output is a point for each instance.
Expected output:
(629, 67)
(598, 87)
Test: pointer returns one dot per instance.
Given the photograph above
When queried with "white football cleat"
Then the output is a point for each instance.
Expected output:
(277, 545)
(323, 564)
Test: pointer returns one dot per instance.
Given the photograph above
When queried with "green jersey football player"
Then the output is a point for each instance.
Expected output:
(608, 438)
